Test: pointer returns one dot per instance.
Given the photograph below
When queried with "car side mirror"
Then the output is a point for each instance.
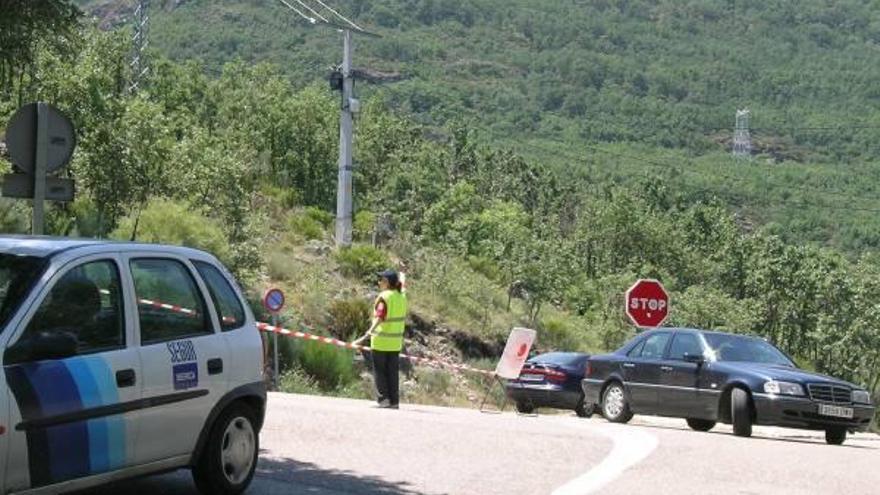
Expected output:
(42, 346)
(695, 358)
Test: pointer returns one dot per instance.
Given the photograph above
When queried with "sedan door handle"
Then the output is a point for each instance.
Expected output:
(629, 365)
(666, 368)
(215, 366)
(125, 378)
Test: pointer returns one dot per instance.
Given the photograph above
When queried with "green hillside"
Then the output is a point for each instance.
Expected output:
(662, 79)
(496, 226)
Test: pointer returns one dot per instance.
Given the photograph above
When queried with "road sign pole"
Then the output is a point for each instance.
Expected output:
(275, 348)
(40, 158)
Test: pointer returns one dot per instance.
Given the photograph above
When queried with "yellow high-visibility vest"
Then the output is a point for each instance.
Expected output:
(389, 333)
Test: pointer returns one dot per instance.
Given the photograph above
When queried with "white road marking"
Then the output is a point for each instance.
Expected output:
(631, 446)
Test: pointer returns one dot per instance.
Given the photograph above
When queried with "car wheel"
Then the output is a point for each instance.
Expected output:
(229, 460)
(524, 408)
(740, 413)
(584, 410)
(700, 424)
(835, 436)
(615, 407)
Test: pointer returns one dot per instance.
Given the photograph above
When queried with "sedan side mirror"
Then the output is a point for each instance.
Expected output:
(695, 358)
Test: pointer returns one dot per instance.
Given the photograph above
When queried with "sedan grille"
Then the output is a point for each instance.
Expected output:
(832, 394)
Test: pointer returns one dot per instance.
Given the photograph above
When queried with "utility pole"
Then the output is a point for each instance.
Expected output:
(344, 210)
(139, 41)
(339, 81)
(742, 141)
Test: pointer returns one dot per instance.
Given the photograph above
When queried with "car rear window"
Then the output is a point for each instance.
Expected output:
(560, 358)
(17, 277)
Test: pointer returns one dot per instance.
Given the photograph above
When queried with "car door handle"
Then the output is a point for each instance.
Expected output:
(215, 366)
(666, 368)
(125, 378)
(629, 365)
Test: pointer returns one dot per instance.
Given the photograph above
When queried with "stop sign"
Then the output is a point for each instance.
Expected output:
(647, 303)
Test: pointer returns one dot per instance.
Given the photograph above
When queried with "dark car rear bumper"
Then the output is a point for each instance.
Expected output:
(774, 410)
(543, 395)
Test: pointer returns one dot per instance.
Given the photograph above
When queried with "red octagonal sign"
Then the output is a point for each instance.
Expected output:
(647, 303)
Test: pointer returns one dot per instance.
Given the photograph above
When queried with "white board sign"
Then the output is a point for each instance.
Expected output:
(519, 343)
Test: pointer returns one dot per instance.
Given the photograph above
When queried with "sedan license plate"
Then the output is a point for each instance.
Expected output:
(531, 377)
(836, 411)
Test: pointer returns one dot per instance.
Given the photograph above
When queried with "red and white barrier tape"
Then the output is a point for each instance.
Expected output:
(265, 327)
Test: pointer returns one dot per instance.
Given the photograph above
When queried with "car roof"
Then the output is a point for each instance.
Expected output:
(698, 330)
(47, 247)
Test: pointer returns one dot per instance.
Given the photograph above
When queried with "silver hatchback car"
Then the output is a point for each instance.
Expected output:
(121, 360)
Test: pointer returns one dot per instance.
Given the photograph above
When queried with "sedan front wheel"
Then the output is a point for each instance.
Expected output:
(615, 406)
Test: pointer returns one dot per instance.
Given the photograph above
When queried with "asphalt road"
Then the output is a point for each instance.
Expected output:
(315, 445)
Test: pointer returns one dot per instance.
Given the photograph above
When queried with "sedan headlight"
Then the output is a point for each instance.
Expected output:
(783, 388)
(861, 397)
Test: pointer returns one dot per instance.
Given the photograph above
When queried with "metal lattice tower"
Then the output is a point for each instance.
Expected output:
(140, 39)
(742, 140)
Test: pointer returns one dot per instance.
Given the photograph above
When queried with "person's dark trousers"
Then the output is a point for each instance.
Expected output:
(385, 371)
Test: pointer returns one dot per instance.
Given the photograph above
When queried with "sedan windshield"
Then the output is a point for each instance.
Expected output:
(17, 276)
(745, 349)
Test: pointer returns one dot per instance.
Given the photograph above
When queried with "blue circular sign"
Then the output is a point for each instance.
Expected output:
(273, 300)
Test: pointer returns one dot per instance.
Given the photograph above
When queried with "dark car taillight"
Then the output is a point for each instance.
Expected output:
(555, 376)
(589, 370)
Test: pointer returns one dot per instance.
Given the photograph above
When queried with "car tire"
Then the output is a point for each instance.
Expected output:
(835, 436)
(584, 410)
(700, 424)
(740, 413)
(522, 407)
(227, 465)
(615, 406)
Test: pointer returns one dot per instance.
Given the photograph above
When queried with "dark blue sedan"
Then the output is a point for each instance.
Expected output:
(551, 380)
(710, 377)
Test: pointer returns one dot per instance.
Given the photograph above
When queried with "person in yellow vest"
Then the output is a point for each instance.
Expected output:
(386, 338)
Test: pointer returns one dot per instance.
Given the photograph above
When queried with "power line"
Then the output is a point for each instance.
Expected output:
(291, 7)
(337, 14)
(313, 11)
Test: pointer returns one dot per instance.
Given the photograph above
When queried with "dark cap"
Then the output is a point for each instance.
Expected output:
(390, 275)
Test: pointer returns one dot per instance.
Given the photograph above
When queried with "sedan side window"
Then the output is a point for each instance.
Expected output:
(170, 304)
(655, 346)
(685, 344)
(84, 308)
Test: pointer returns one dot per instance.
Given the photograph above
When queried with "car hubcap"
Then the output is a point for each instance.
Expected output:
(614, 402)
(237, 455)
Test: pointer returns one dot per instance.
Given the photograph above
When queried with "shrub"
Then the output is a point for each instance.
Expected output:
(558, 336)
(297, 381)
(331, 367)
(324, 218)
(305, 226)
(169, 222)
(364, 224)
(349, 318)
(362, 262)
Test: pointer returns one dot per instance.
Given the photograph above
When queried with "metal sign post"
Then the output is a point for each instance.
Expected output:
(40, 140)
(273, 301)
(40, 167)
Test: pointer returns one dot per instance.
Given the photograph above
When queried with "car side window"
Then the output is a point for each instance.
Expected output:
(225, 300)
(86, 304)
(637, 350)
(655, 346)
(170, 304)
(685, 344)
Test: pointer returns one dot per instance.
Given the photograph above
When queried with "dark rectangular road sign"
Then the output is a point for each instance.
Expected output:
(22, 186)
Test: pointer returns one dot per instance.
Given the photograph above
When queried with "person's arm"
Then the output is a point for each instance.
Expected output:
(381, 312)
